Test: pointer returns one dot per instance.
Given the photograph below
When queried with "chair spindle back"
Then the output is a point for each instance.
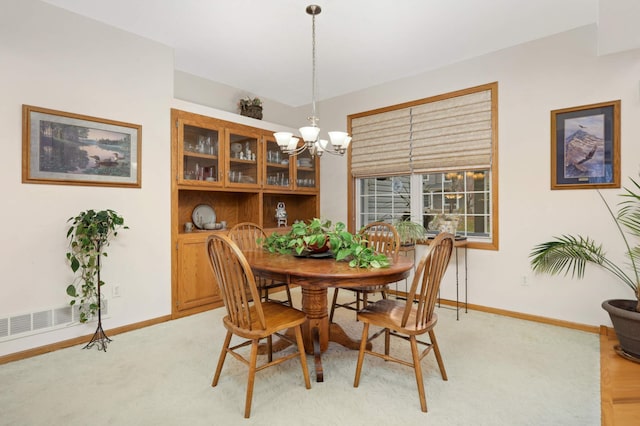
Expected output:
(235, 279)
(427, 279)
(383, 238)
(246, 235)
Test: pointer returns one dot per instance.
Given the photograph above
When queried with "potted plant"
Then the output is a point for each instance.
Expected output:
(251, 107)
(89, 233)
(572, 253)
(320, 236)
(410, 232)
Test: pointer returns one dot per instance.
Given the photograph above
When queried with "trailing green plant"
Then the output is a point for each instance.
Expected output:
(571, 254)
(89, 233)
(318, 235)
(410, 232)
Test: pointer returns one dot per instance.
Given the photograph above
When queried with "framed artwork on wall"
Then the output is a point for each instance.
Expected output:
(585, 146)
(64, 148)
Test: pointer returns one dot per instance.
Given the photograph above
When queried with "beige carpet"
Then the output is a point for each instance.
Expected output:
(501, 371)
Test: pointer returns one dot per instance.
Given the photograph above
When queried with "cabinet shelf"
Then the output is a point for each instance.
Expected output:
(241, 161)
(200, 155)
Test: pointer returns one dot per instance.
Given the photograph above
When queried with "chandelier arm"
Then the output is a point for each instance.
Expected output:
(296, 151)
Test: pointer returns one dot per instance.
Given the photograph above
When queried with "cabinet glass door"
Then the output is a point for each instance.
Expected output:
(200, 153)
(306, 171)
(278, 167)
(244, 157)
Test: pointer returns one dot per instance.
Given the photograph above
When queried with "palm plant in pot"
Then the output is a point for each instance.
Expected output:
(571, 254)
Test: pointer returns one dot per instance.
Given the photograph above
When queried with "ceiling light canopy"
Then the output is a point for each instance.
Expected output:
(339, 141)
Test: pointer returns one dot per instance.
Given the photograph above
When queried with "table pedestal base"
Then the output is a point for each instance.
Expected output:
(316, 330)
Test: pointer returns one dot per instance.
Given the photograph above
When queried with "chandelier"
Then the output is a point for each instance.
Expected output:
(290, 144)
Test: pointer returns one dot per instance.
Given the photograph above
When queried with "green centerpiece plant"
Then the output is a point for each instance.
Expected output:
(321, 236)
(570, 254)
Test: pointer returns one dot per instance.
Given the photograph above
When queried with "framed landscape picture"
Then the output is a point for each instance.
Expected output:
(72, 149)
(585, 146)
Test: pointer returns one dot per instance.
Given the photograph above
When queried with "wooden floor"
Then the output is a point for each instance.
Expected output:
(619, 384)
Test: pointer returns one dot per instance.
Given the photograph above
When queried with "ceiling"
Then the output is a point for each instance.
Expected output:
(264, 46)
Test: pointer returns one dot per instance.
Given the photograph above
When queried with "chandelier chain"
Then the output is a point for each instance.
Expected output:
(314, 117)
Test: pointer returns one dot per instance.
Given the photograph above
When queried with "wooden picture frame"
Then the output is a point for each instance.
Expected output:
(585, 146)
(64, 148)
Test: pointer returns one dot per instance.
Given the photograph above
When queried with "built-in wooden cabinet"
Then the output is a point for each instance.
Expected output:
(241, 173)
(193, 267)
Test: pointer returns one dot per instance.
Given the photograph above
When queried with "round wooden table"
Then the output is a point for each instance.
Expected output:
(315, 276)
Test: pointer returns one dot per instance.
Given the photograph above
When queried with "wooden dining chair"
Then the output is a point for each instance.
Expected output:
(248, 317)
(411, 318)
(383, 238)
(247, 235)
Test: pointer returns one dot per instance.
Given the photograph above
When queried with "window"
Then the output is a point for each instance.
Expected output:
(435, 156)
(384, 199)
(464, 194)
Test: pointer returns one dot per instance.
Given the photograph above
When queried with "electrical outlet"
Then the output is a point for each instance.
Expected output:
(524, 281)
(115, 291)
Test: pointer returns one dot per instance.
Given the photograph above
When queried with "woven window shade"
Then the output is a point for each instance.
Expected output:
(452, 134)
(381, 144)
(449, 134)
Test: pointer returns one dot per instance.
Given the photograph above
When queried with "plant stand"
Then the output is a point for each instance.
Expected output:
(99, 337)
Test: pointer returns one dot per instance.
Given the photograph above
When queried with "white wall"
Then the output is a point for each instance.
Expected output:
(55, 59)
(534, 78)
(221, 97)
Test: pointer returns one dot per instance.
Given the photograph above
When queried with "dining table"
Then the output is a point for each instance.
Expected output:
(314, 275)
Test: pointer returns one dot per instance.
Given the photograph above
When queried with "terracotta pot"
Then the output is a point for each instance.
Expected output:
(626, 323)
(314, 248)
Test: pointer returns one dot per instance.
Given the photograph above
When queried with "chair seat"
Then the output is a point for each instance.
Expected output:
(277, 316)
(387, 313)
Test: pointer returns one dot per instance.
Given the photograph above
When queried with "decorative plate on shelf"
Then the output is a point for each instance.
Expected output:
(202, 214)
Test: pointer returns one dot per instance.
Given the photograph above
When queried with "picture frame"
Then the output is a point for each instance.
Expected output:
(585, 146)
(64, 148)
